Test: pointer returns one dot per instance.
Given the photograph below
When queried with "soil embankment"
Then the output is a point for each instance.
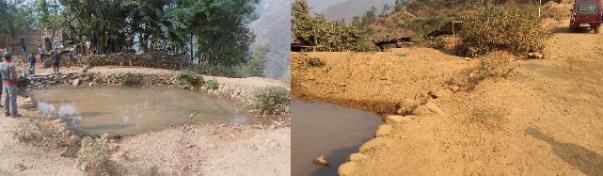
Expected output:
(545, 119)
(376, 82)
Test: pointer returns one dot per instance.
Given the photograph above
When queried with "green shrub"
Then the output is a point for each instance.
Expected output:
(212, 84)
(511, 27)
(272, 100)
(315, 62)
(187, 79)
(129, 79)
(93, 157)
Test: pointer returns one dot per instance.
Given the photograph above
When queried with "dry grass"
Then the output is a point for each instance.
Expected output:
(93, 157)
(488, 118)
(495, 65)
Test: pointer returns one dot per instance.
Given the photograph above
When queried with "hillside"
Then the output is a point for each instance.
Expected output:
(348, 9)
(272, 29)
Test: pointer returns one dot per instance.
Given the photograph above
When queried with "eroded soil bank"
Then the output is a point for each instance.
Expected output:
(545, 119)
(188, 149)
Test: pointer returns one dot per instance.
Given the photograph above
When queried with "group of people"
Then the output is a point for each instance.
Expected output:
(55, 56)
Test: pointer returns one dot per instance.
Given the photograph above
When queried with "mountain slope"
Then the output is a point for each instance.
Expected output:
(348, 9)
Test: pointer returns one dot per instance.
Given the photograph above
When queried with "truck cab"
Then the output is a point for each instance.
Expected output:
(586, 14)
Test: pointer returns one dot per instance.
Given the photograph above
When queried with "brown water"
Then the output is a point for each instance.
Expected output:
(128, 111)
(330, 130)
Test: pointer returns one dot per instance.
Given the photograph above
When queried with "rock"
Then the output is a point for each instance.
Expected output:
(407, 106)
(535, 55)
(384, 130)
(456, 88)
(28, 104)
(396, 119)
(347, 169)
(76, 82)
(374, 143)
(358, 157)
(20, 167)
(321, 161)
(428, 109)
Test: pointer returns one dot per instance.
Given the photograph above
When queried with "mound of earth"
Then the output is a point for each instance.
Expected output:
(376, 82)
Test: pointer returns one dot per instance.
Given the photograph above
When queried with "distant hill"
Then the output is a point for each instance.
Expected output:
(273, 29)
(348, 9)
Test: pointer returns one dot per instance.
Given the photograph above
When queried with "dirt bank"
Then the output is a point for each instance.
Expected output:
(239, 89)
(375, 82)
(543, 120)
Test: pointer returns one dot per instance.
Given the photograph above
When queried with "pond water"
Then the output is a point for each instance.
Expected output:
(128, 111)
(330, 130)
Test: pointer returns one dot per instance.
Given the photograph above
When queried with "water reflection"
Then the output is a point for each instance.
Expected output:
(125, 111)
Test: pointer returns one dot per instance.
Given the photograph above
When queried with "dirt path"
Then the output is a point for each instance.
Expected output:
(545, 120)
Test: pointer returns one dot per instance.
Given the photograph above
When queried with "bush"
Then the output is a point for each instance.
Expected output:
(273, 100)
(512, 27)
(187, 79)
(212, 84)
(93, 157)
(494, 65)
(45, 133)
(129, 79)
(315, 62)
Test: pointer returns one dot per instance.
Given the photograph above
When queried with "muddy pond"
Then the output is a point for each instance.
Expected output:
(129, 111)
(329, 130)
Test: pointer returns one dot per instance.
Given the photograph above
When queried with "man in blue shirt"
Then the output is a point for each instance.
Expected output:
(32, 64)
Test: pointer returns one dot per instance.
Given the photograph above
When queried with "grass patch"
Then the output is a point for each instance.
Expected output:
(187, 79)
(93, 157)
(488, 118)
(315, 62)
(272, 100)
(515, 28)
(45, 133)
(212, 84)
(493, 66)
(129, 79)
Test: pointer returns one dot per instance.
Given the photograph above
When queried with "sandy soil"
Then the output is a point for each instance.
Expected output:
(194, 149)
(394, 76)
(544, 120)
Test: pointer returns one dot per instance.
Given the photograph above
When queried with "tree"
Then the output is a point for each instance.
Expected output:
(399, 5)
(385, 10)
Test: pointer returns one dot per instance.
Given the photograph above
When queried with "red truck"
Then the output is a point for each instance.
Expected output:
(587, 14)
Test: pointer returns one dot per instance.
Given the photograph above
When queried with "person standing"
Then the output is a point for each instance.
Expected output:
(42, 53)
(32, 64)
(9, 86)
(56, 62)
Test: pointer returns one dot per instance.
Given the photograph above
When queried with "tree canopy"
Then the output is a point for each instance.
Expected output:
(215, 29)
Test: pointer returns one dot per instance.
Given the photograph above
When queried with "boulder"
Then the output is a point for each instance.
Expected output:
(374, 143)
(76, 82)
(429, 108)
(347, 169)
(384, 130)
(321, 161)
(396, 119)
(358, 157)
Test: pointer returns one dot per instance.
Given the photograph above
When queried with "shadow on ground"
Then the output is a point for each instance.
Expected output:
(587, 161)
